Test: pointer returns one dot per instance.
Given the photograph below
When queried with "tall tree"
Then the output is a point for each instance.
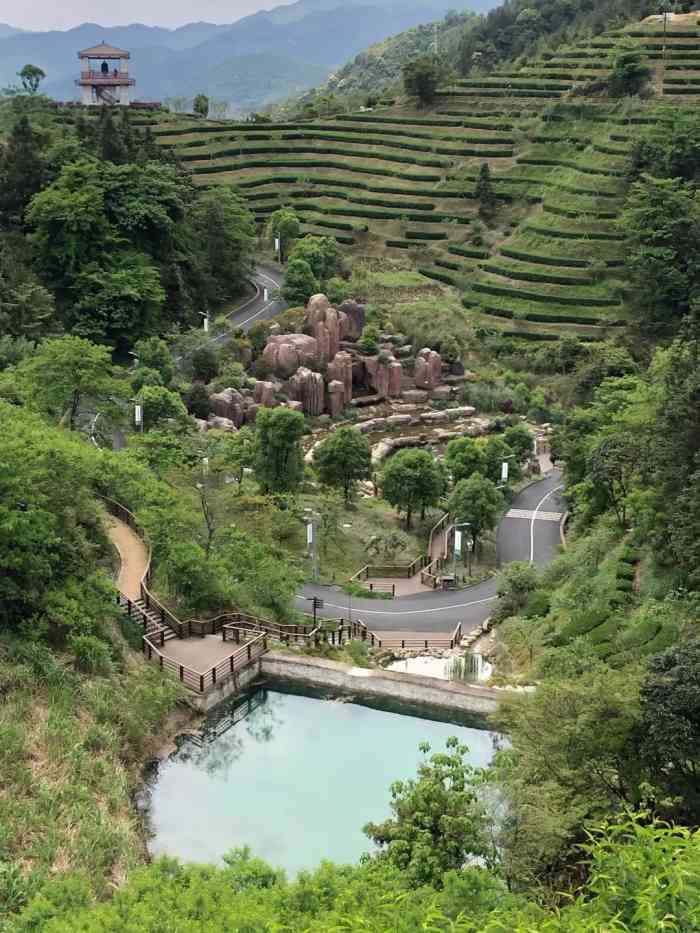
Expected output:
(300, 283)
(285, 224)
(484, 192)
(477, 501)
(420, 79)
(413, 479)
(343, 459)
(464, 456)
(278, 462)
(31, 77)
(64, 372)
(200, 105)
(22, 172)
(225, 231)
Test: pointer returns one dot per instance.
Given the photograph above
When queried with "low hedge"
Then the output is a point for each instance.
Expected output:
(634, 636)
(333, 224)
(438, 276)
(605, 632)
(526, 275)
(425, 235)
(523, 85)
(471, 252)
(370, 214)
(677, 89)
(404, 244)
(573, 214)
(487, 289)
(575, 234)
(447, 264)
(309, 163)
(567, 163)
(414, 134)
(291, 150)
(537, 318)
(544, 260)
(380, 202)
(392, 144)
(495, 92)
(581, 624)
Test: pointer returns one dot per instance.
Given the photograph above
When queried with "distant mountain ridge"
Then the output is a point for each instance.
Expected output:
(263, 57)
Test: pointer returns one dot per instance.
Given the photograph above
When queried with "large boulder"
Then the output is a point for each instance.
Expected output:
(354, 319)
(229, 404)
(307, 387)
(323, 320)
(340, 368)
(384, 375)
(215, 422)
(428, 370)
(264, 394)
(285, 353)
(336, 397)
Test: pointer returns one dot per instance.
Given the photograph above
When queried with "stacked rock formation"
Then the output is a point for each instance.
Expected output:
(308, 388)
(428, 370)
(285, 353)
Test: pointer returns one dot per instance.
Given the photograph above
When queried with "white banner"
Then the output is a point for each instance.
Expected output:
(138, 414)
(458, 543)
(504, 471)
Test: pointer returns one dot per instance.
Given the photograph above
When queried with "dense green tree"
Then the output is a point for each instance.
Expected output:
(27, 309)
(200, 105)
(628, 71)
(438, 822)
(22, 172)
(278, 462)
(484, 192)
(63, 373)
(670, 729)
(411, 480)
(670, 149)
(117, 299)
(160, 404)
(464, 456)
(661, 221)
(420, 79)
(153, 353)
(520, 441)
(225, 231)
(259, 580)
(300, 283)
(477, 501)
(31, 77)
(320, 252)
(285, 224)
(573, 758)
(516, 582)
(343, 459)
(205, 363)
(496, 452)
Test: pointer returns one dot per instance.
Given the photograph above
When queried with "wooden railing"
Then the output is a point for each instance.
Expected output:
(390, 570)
(201, 681)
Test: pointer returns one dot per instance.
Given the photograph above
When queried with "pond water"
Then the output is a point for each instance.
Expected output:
(295, 777)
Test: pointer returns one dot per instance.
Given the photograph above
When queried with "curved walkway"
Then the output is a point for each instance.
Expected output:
(133, 557)
(528, 532)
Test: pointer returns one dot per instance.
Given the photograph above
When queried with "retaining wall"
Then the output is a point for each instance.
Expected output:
(411, 688)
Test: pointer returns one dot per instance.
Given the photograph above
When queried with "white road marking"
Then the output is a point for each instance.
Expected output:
(540, 517)
(534, 519)
(409, 612)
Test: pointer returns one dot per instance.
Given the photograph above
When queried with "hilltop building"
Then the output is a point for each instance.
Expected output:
(104, 76)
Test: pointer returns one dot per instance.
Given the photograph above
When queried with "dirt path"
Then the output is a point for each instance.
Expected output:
(133, 555)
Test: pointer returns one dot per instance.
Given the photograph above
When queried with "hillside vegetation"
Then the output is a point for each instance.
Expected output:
(548, 260)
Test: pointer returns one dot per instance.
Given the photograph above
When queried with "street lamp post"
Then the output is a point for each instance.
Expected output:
(205, 320)
(458, 546)
(311, 526)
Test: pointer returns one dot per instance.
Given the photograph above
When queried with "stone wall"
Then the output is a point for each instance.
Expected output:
(409, 688)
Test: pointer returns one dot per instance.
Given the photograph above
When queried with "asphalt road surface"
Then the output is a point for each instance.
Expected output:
(258, 308)
(532, 536)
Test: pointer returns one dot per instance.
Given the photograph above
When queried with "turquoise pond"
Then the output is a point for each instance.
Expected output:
(295, 777)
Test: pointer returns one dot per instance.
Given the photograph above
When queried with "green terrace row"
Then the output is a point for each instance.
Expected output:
(436, 193)
(387, 131)
(325, 150)
(481, 121)
(377, 141)
(498, 92)
(497, 81)
(301, 164)
(370, 214)
(513, 309)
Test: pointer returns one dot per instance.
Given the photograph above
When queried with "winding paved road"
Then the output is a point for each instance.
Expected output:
(257, 309)
(529, 537)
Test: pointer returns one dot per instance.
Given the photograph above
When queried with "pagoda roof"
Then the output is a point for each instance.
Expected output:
(103, 50)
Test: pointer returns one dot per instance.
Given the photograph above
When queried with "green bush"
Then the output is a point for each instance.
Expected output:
(91, 655)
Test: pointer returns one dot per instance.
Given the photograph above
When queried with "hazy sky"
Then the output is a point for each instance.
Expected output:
(50, 14)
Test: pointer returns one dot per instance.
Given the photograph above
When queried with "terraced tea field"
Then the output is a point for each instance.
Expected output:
(397, 181)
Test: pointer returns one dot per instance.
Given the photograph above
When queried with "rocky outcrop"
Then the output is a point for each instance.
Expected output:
(336, 397)
(340, 369)
(285, 353)
(384, 375)
(264, 394)
(428, 369)
(307, 387)
(324, 322)
(354, 319)
(215, 422)
(229, 404)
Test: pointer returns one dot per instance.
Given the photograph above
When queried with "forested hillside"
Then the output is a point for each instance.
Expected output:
(525, 214)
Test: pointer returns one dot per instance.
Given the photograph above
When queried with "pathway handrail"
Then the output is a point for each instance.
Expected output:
(200, 681)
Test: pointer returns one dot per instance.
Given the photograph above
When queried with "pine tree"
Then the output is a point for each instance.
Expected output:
(484, 192)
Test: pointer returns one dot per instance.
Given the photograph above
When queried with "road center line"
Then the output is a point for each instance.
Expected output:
(534, 519)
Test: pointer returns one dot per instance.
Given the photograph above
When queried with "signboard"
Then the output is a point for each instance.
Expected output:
(310, 533)
(277, 244)
(206, 324)
(504, 471)
(138, 414)
(458, 543)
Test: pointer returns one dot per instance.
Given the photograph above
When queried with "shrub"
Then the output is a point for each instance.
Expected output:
(91, 655)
